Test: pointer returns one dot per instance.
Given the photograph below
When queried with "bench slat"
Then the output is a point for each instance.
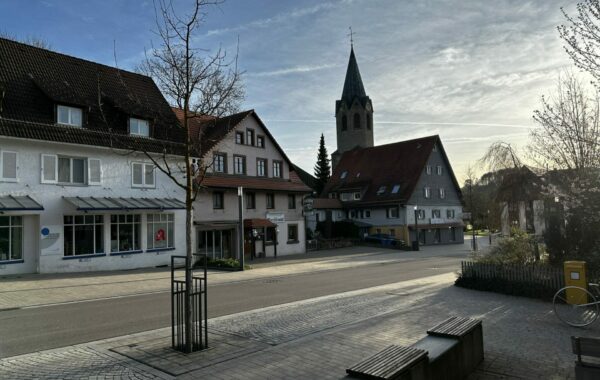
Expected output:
(455, 327)
(387, 363)
(586, 346)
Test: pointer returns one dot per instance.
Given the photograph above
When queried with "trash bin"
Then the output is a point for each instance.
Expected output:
(575, 275)
(415, 245)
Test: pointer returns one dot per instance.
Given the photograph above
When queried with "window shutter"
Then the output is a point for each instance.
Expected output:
(9, 166)
(136, 174)
(49, 168)
(94, 171)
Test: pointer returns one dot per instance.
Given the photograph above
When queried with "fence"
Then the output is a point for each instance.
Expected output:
(199, 337)
(538, 281)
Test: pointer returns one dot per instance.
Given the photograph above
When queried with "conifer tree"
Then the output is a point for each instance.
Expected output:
(322, 168)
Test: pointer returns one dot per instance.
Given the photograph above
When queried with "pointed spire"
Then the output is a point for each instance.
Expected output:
(353, 85)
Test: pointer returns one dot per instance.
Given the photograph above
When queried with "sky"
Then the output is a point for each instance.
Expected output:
(471, 71)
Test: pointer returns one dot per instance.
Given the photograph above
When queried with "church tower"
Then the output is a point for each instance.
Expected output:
(353, 114)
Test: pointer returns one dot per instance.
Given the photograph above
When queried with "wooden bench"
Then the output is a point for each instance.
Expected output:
(586, 347)
(443, 357)
(394, 362)
(469, 333)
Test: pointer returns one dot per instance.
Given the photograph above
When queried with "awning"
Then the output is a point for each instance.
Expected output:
(258, 223)
(18, 203)
(109, 204)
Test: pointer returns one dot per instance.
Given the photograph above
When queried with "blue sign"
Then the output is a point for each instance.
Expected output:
(45, 231)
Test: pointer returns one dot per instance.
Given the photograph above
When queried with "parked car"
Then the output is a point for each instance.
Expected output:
(384, 239)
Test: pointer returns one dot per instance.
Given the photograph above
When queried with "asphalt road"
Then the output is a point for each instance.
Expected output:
(34, 329)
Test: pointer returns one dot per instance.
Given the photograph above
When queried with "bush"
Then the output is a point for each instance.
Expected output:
(229, 263)
(519, 248)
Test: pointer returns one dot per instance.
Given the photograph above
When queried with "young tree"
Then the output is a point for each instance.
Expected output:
(569, 133)
(581, 35)
(202, 85)
(322, 168)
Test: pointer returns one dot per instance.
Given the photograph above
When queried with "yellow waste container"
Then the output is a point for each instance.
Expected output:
(576, 275)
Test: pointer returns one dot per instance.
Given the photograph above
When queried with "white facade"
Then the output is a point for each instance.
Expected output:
(211, 221)
(43, 246)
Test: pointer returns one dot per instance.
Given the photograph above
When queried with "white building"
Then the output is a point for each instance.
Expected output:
(239, 151)
(73, 196)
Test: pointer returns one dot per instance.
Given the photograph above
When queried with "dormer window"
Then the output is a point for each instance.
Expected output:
(139, 127)
(69, 116)
(395, 189)
(343, 175)
(381, 190)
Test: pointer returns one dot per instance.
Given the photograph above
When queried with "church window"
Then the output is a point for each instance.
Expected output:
(344, 123)
(357, 121)
(369, 121)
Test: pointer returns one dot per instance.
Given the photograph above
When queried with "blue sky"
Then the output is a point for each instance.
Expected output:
(471, 71)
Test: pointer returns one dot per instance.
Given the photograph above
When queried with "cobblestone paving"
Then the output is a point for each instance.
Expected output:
(74, 363)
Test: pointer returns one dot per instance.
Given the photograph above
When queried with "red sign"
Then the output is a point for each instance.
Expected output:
(160, 235)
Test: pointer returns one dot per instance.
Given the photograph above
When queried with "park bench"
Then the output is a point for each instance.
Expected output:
(589, 347)
(451, 350)
(394, 362)
(469, 333)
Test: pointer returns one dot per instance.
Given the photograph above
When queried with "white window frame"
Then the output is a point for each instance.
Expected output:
(427, 192)
(11, 227)
(389, 213)
(143, 185)
(137, 231)
(98, 229)
(54, 157)
(277, 169)
(428, 169)
(3, 178)
(259, 167)
(442, 193)
(167, 218)
(439, 170)
(243, 163)
(436, 211)
(450, 213)
(70, 182)
(216, 165)
(137, 122)
(70, 111)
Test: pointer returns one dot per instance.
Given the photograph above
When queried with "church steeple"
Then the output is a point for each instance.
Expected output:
(353, 85)
(353, 113)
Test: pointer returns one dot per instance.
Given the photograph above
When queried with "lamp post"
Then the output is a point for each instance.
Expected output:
(241, 226)
(488, 227)
(416, 245)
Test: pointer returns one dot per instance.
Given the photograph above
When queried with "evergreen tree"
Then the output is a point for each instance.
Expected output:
(322, 168)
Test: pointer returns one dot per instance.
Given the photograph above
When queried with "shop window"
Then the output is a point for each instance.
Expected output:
(11, 238)
(83, 234)
(125, 233)
(161, 234)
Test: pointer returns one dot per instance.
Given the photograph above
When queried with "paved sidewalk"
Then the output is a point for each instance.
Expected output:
(319, 338)
(44, 289)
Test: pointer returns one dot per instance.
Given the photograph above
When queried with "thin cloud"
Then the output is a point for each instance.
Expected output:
(291, 70)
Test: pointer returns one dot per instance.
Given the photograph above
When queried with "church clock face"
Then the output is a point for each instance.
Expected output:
(368, 107)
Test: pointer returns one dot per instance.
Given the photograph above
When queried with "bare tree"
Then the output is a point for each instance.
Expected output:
(29, 40)
(500, 156)
(569, 133)
(581, 35)
(204, 86)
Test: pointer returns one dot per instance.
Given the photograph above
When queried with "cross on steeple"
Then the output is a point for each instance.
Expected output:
(351, 35)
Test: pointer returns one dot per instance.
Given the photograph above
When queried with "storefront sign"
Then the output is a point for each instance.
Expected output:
(49, 237)
(276, 217)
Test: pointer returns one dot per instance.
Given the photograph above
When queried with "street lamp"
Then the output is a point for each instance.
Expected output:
(416, 242)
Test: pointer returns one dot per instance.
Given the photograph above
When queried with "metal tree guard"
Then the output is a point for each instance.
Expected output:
(198, 294)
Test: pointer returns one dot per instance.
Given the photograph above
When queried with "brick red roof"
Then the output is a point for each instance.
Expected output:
(401, 163)
(35, 80)
(255, 183)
